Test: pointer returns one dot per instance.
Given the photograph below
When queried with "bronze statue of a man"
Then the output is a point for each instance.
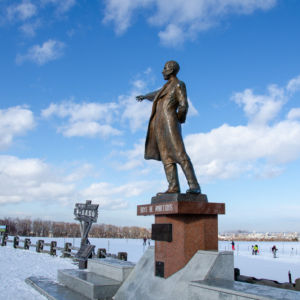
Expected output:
(164, 140)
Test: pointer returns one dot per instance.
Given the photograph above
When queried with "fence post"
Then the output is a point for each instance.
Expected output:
(16, 242)
(122, 256)
(39, 245)
(4, 238)
(26, 244)
(99, 254)
(53, 248)
(66, 249)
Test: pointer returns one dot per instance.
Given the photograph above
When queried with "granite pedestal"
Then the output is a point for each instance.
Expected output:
(194, 227)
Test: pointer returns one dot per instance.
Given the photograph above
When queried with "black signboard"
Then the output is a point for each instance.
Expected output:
(162, 232)
(86, 212)
(84, 252)
(159, 269)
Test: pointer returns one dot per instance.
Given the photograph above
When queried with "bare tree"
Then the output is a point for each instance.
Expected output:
(38, 227)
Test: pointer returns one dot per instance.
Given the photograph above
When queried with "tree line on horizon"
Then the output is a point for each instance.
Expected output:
(38, 227)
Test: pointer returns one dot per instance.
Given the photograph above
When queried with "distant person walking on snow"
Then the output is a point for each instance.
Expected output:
(232, 245)
(256, 249)
(274, 250)
(252, 250)
(145, 240)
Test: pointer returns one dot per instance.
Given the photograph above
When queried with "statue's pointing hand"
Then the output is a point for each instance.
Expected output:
(140, 98)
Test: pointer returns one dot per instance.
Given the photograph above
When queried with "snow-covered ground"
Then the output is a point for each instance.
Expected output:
(16, 265)
(263, 265)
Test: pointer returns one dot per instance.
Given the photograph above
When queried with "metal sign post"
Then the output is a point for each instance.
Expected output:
(86, 214)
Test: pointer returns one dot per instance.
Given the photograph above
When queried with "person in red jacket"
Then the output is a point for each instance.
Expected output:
(232, 245)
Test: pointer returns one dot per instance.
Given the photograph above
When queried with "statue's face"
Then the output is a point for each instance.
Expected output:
(167, 71)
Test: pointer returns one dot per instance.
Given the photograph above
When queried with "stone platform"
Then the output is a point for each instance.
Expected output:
(100, 281)
(215, 289)
(141, 284)
(209, 275)
(111, 268)
(88, 284)
(179, 197)
(53, 290)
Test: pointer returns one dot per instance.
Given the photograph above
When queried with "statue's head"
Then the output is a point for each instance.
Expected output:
(171, 68)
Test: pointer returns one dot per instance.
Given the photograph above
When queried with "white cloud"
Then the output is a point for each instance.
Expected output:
(261, 108)
(102, 193)
(14, 121)
(23, 11)
(229, 151)
(85, 119)
(294, 114)
(62, 5)
(121, 12)
(79, 173)
(89, 129)
(135, 157)
(29, 13)
(29, 29)
(260, 147)
(294, 84)
(71, 32)
(96, 119)
(192, 110)
(135, 112)
(180, 19)
(29, 180)
(172, 36)
(50, 50)
(84, 111)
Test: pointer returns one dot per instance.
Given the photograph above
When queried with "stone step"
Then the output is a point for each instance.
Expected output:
(89, 284)
(225, 289)
(111, 268)
(53, 290)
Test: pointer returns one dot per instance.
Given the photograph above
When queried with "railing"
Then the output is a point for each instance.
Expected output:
(66, 251)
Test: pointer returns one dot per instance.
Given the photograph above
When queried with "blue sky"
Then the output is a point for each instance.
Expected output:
(71, 130)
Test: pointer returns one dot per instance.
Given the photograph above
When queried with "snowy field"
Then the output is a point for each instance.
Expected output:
(263, 265)
(16, 265)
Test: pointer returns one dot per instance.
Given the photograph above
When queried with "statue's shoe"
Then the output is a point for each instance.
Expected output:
(168, 192)
(193, 191)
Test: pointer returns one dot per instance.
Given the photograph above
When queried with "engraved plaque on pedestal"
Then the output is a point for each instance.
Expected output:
(162, 232)
(159, 269)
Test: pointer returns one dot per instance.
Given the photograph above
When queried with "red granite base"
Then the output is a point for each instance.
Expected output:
(194, 227)
(191, 232)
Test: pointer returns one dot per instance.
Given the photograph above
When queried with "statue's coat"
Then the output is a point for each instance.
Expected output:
(164, 140)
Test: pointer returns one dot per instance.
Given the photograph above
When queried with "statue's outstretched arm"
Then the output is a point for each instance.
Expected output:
(183, 103)
(150, 96)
